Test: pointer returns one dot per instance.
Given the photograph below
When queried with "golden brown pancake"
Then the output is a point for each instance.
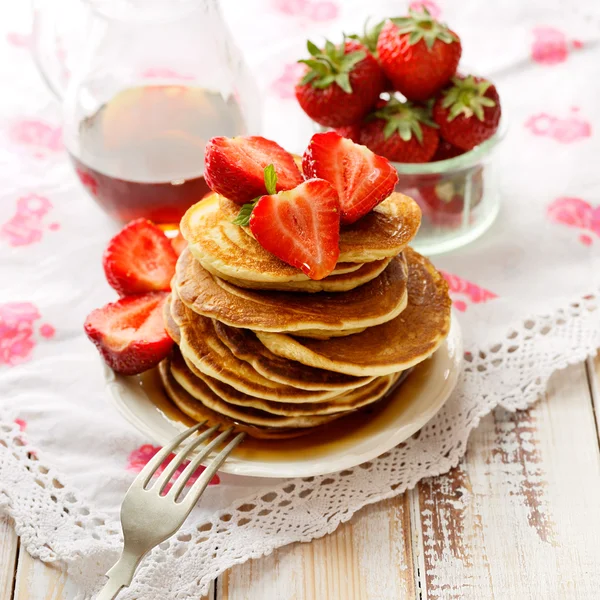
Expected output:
(229, 249)
(345, 402)
(194, 409)
(201, 346)
(244, 414)
(343, 282)
(244, 344)
(393, 346)
(376, 302)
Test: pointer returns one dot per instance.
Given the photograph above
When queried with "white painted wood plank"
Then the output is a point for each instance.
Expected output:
(8, 558)
(37, 581)
(519, 517)
(593, 372)
(367, 558)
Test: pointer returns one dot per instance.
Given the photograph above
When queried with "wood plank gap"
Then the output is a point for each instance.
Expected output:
(417, 545)
(14, 577)
(594, 386)
(9, 548)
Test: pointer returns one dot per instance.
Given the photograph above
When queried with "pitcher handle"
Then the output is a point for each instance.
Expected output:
(49, 56)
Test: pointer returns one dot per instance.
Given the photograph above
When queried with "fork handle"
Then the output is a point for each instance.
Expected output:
(119, 576)
(110, 590)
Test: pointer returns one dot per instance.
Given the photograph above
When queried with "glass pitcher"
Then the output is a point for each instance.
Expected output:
(152, 82)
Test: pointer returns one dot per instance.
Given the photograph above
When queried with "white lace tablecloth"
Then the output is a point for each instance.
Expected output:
(527, 293)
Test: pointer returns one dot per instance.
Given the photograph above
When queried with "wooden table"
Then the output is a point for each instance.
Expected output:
(518, 518)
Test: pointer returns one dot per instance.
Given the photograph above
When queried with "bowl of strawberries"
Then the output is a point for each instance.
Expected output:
(398, 90)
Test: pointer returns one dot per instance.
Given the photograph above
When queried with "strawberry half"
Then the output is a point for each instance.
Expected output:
(362, 178)
(301, 227)
(233, 167)
(140, 258)
(130, 334)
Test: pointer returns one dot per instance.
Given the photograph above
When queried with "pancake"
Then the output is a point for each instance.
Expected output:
(393, 346)
(334, 283)
(376, 302)
(244, 344)
(171, 326)
(201, 347)
(345, 402)
(194, 409)
(244, 414)
(228, 249)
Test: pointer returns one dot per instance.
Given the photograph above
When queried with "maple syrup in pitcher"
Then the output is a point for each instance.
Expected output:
(142, 153)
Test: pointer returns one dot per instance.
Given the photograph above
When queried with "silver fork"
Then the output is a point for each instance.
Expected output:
(149, 518)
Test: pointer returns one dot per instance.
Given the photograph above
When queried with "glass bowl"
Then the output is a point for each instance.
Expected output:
(459, 197)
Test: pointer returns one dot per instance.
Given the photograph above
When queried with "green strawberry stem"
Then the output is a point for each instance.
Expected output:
(420, 25)
(405, 119)
(330, 65)
(467, 97)
(370, 35)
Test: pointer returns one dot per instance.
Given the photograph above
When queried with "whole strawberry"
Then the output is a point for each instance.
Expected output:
(418, 54)
(341, 84)
(467, 112)
(402, 132)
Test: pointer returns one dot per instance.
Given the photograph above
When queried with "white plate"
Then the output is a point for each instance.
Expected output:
(340, 445)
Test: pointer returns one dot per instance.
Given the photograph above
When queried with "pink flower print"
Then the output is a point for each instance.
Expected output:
(432, 7)
(142, 455)
(575, 212)
(284, 85)
(17, 332)
(462, 291)
(40, 137)
(321, 11)
(165, 73)
(19, 40)
(564, 130)
(47, 331)
(26, 226)
(22, 424)
(550, 46)
(313, 10)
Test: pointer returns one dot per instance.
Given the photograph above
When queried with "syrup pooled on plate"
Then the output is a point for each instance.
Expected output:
(142, 153)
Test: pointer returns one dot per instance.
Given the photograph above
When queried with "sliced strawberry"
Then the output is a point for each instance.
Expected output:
(362, 178)
(140, 258)
(130, 334)
(234, 167)
(301, 227)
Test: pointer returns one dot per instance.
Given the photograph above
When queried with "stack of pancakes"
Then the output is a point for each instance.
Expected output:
(262, 347)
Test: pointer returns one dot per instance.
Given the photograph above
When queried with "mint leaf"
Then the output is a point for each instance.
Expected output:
(270, 179)
(243, 218)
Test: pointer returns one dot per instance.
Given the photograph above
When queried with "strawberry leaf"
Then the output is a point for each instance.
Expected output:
(313, 49)
(420, 25)
(405, 119)
(466, 98)
(343, 80)
(330, 65)
(243, 218)
(270, 179)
